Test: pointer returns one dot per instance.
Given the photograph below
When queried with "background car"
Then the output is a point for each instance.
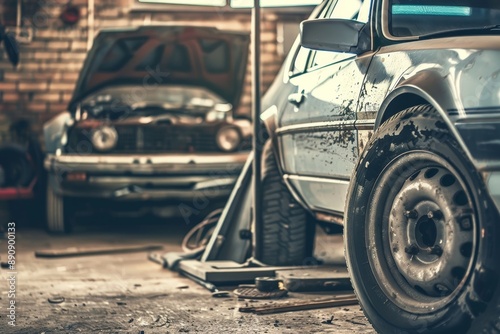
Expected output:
(386, 118)
(151, 122)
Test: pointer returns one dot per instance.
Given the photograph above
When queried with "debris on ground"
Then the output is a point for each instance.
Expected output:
(221, 294)
(247, 291)
(268, 284)
(56, 300)
(75, 251)
(301, 305)
(355, 322)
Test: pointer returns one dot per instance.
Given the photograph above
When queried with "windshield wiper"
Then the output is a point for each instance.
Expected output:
(494, 28)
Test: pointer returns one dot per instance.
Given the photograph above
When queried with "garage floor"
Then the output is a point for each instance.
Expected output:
(126, 293)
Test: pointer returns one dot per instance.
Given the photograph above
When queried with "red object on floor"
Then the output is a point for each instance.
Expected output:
(11, 193)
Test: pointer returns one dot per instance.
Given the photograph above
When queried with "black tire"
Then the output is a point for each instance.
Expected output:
(287, 233)
(17, 166)
(57, 212)
(415, 272)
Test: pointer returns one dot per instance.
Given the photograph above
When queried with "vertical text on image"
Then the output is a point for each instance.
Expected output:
(12, 273)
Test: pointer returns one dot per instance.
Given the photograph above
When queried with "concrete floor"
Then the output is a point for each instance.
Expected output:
(126, 293)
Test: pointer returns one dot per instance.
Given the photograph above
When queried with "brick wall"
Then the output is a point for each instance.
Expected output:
(42, 85)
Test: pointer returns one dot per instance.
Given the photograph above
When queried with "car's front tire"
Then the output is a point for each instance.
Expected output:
(288, 233)
(57, 217)
(421, 234)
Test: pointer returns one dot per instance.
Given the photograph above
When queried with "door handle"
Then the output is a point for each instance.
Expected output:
(296, 99)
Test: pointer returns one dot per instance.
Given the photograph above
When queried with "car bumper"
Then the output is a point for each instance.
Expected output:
(145, 177)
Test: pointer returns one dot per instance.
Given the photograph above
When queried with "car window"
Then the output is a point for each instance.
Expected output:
(300, 63)
(303, 54)
(423, 17)
(345, 9)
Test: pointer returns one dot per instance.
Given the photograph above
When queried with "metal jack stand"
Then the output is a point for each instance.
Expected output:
(227, 256)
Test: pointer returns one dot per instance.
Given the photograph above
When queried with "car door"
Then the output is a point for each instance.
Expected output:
(317, 129)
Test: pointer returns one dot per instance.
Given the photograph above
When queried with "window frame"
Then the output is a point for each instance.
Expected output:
(223, 3)
(265, 6)
(386, 32)
(385, 17)
(157, 7)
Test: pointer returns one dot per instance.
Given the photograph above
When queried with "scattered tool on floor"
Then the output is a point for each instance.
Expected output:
(264, 288)
(216, 293)
(74, 251)
(156, 258)
(322, 278)
(341, 300)
(250, 291)
(268, 284)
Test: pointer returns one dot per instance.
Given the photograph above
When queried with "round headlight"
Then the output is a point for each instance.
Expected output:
(104, 138)
(228, 139)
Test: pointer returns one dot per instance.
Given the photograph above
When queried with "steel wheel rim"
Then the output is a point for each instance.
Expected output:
(413, 238)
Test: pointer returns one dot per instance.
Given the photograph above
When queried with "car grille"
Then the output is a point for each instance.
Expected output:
(151, 139)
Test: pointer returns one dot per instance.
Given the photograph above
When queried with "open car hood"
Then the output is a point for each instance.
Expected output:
(166, 55)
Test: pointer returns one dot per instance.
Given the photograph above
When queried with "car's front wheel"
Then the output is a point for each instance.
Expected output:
(288, 234)
(421, 236)
(57, 214)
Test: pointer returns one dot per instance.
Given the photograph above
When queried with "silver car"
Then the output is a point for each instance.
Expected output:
(385, 119)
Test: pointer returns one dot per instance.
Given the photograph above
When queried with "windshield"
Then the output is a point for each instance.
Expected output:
(423, 17)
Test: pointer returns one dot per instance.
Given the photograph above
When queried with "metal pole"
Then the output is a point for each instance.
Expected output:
(18, 17)
(90, 23)
(257, 136)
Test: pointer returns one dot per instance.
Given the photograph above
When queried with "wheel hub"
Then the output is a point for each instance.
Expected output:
(426, 236)
(426, 232)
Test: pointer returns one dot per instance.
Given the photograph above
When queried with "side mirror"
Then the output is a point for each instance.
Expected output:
(334, 35)
(10, 45)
